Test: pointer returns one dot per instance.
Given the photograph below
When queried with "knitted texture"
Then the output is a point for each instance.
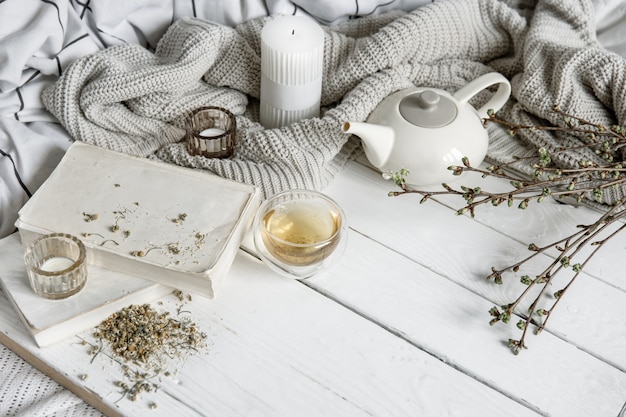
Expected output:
(563, 64)
(24, 391)
(128, 99)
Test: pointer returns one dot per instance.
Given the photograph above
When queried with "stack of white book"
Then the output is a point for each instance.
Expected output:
(149, 227)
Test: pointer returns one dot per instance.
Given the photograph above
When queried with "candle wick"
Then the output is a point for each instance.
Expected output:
(293, 31)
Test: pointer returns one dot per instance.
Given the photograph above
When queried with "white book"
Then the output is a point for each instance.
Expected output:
(50, 321)
(178, 226)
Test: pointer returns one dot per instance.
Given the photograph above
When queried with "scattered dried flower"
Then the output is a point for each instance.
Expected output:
(90, 217)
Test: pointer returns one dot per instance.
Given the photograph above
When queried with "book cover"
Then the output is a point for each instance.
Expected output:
(177, 226)
(50, 321)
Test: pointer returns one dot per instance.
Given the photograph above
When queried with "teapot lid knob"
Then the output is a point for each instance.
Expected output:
(428, 99)
(428, 109)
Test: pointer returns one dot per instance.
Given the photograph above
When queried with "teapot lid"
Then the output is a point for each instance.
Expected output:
(428, 109)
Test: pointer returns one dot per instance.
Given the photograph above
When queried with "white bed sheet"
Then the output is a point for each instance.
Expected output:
(38, 39)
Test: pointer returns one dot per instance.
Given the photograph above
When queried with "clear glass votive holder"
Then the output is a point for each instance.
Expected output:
(56, 266)
(297, 233)
(211, 132)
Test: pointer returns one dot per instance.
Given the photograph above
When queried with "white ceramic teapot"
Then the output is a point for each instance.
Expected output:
(426, 130)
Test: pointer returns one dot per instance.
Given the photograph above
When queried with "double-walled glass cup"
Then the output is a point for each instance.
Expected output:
(56, 265)
(299, 232)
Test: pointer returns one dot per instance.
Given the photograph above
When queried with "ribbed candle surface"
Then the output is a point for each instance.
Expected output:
(292, 54)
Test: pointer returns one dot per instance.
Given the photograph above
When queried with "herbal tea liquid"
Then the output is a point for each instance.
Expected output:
(301, 234)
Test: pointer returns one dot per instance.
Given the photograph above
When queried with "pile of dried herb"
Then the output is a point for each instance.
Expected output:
(139, 333)
(144, 341)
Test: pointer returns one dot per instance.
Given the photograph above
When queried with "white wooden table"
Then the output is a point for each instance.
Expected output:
(398, 328)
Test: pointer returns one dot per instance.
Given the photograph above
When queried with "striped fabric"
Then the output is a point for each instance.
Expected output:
(39, 39)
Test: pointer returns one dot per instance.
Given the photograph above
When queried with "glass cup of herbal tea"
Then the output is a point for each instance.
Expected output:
(56, 265)
(299, 232)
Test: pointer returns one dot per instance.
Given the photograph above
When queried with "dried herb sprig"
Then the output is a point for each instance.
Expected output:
(589, 181)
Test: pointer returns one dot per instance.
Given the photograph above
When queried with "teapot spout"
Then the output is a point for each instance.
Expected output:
(377, 140)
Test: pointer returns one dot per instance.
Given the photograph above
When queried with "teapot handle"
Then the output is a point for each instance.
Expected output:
(496, 102)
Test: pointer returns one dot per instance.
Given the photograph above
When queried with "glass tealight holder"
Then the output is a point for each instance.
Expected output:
(56, 265)
(211, 132)
(298, 233)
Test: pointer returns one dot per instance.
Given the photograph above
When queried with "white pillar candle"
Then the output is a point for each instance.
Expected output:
(292, 61)
(56, 264)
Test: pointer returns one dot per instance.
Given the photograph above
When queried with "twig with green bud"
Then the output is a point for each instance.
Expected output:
(588, 181)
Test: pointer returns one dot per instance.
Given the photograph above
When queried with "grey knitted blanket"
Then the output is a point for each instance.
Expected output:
(131, 100)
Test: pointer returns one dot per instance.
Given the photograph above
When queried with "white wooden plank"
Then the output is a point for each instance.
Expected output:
(462, 250)
(587, 304)
(542, 223)
(277, 348)
(591, 315)
(422, 231)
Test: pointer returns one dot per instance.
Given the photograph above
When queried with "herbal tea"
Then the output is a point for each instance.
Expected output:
(297, 233)
(302, 233)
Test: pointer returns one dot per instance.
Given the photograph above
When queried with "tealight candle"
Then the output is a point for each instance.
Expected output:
(212, 132)
(292, 61)
(56, 264)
